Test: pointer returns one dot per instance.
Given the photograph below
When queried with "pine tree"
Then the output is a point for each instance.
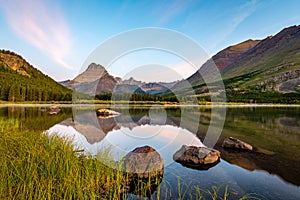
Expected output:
(11, 94)
(23, 93)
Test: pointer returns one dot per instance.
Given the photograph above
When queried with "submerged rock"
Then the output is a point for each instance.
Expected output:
(53, 110)
(235, 143)
(143, 162)
(106, 113)
(197, 157)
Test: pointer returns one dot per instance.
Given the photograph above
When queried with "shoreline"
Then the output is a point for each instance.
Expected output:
(229, 105)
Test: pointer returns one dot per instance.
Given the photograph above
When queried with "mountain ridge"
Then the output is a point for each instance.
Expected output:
(96, 80)
(223, 59)
(269, 68)
(20, 81)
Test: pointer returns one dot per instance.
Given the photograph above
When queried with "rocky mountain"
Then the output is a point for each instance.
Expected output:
(131, 81)
(20, 81)
(224, 58)
(257, 68)
(15, 62)
(92, 73)
(229, 55)
(281, 49)
(96, 80)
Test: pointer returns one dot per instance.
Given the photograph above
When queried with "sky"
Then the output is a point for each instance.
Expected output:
(57, 36)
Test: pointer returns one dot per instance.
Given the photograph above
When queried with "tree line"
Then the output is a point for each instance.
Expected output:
(15, 87)
(135, 97)
(263, 97)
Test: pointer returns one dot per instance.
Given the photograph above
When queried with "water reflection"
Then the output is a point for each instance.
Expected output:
(268, 129)
(123, 133)
(32, 117)
(272, 172)
(275, 133)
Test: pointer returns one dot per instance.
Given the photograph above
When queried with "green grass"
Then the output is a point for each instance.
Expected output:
(36, 166)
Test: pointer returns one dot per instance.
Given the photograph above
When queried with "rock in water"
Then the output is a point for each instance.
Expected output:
(53, 110)
(143, 162)
(197, 157)
(105, 113)
(236, 144)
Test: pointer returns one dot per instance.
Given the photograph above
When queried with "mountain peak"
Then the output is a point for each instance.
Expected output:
(244, 46)
(92, 73)
(132, 81)
(290, 29)
(94, 66)
(230, 54)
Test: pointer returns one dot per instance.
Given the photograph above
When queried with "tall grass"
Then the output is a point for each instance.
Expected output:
(36, 166)
(11, 125)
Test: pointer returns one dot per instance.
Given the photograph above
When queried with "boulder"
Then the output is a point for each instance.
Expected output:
(235, 143)
(106, 113)
(53, 110)
(197, 157)
(143, 162)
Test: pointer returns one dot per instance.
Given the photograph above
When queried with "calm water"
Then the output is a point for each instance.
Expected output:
(272, 172)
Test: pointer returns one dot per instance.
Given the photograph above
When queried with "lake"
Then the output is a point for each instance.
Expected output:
(271, 172)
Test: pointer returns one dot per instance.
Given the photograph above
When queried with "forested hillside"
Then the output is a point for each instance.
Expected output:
(20, 81)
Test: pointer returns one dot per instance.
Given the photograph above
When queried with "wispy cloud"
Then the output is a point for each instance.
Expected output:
(169, 11)
(40, 24)
(241, 13)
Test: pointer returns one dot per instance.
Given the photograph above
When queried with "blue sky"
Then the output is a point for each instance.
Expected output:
(57, 36)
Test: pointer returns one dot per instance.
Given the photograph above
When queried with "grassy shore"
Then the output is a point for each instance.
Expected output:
(35, 166)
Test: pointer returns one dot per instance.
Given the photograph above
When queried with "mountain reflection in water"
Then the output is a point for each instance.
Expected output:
(124, 133)
(268, 129)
